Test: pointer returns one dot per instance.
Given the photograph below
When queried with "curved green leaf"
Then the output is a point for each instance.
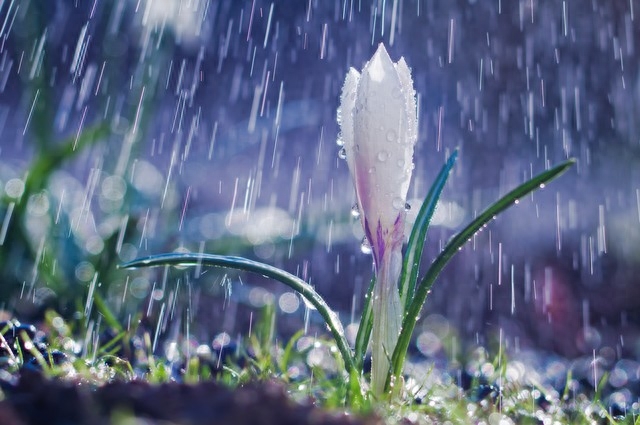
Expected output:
(413, 312)
(240, 263)
(413, 254)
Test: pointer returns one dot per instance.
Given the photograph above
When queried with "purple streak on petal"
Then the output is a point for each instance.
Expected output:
(379, 246)
(383, 240)
(398, 229)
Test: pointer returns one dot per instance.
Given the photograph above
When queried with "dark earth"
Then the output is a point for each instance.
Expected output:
(36, 400)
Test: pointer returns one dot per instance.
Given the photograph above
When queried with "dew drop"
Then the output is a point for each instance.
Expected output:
(383, 156)
(392, 136)
(542, 185)
(355, 211)
(365, 246)
(340, 141)
(398, 203)
(407, 206)
(342, 154)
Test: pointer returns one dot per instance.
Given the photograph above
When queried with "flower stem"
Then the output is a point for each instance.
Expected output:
(387, 319)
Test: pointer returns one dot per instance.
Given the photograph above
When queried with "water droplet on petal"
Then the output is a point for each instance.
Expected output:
(392, 136)
(407, 206)
(340, 141)
(365, 246)
(342, 154)
(355, 211)
(383, 156)
(398, 203)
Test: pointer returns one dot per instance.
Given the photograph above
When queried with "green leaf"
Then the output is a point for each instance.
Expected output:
(413, 312)
(365, 326)
(109, 317)
(46, 163)
(285, 359)
(413, 254)
(240, 263)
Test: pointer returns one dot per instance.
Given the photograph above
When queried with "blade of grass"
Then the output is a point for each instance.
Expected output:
(45, 164)
(413, 312)
(111, 346)
(109, 317)
(240, 263)
(283, 363)
(364, 327)
(413, 254)
(355, 399)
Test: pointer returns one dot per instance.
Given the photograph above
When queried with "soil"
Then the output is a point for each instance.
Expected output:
(36, 400)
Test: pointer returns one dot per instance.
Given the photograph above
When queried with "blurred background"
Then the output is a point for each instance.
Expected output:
(135, 127)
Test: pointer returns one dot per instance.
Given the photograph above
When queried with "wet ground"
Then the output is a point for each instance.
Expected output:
(35, 400)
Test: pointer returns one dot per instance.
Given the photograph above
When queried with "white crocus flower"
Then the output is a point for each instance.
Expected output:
(378, 122)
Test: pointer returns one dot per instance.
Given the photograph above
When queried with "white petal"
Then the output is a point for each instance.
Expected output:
(404, 74)
(383, 152)
(411, 132)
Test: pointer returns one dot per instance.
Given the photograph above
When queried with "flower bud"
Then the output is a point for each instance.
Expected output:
(378, 124)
